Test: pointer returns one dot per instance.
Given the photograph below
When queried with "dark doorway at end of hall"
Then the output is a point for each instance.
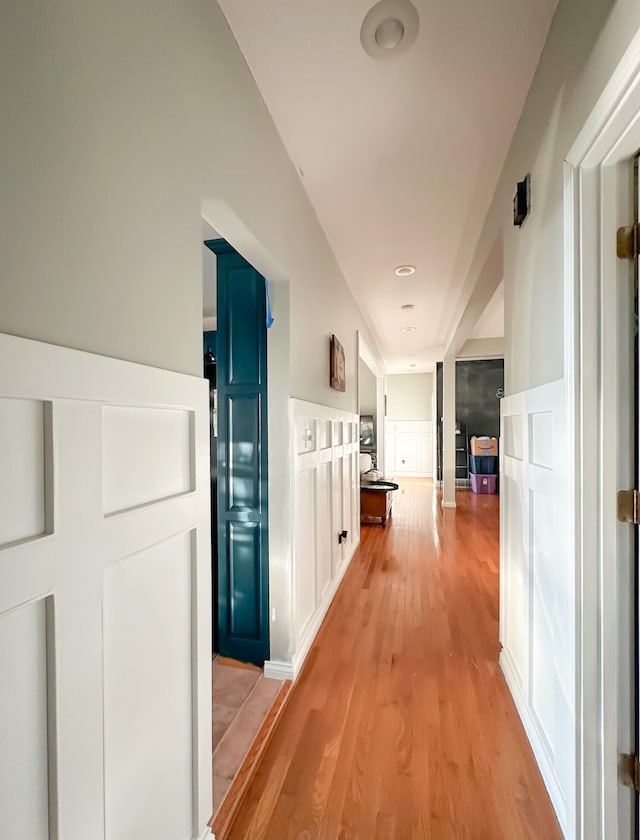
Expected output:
(479, 388)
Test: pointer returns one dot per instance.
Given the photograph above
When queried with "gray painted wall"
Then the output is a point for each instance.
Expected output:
(409, 396)
(368, 386)
(108, 159)
(108, 164)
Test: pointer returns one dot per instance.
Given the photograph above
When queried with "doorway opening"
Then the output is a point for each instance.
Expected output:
(235, 320)
(241, 486)
(479, 389)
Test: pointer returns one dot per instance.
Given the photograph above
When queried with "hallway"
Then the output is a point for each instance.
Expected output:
(401, 725)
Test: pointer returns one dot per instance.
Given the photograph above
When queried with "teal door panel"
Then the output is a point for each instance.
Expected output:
(244, 583)
(245, 351)
(242, 489)
(244, 479)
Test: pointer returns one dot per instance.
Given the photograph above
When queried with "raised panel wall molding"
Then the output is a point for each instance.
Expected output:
(536, 606)
(326, 501)
(105, 596)
(408, 447)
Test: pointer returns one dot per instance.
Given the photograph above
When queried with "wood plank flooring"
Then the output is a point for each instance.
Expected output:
(401, 726)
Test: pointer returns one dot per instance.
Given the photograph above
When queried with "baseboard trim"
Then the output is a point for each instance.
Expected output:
(449, 505)
(276, 669)
(208, 834)
(535, 740)
(279, 669)
(313, 626)
(226, 814)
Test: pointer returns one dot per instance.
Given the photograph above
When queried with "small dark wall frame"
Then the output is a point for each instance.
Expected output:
(522, 201)
(336, 365)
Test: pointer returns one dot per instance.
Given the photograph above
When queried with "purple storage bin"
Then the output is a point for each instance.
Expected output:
(483, 483)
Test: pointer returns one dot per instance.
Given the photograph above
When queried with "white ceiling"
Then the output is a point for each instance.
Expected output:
(400, 158)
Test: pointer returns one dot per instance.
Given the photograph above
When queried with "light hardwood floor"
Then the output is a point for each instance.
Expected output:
(401, 725)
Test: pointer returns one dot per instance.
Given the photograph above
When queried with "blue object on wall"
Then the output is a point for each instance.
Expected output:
(270, 318)
(242, 487)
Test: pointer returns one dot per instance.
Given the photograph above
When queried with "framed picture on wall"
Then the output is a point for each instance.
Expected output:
(336, 365)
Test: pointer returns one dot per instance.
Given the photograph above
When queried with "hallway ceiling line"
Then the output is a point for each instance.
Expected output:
(399, 158)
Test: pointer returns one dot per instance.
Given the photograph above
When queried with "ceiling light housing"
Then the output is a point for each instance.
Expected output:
(389, 29)
(389, 33)
(404, 270)
(408, 329)
(407, 307)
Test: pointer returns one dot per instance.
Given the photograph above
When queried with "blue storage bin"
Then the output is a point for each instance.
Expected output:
(483, 465)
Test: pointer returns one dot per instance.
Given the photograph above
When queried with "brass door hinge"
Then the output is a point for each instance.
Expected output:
(630, 771)
(627, 242)
(629, 506)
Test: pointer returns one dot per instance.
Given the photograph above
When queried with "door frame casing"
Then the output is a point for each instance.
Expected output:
(598, 375)
(233, 269)
(366, 354)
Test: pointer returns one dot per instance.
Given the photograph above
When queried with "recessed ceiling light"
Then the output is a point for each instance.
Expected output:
(404, 270)
(389, 28)
(407, 307)
(389, 33)
(413, 364)
(408, 329)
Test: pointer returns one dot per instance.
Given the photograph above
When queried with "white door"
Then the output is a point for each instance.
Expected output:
(105, 708)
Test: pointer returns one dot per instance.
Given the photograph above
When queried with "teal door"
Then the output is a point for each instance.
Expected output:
(242, 564)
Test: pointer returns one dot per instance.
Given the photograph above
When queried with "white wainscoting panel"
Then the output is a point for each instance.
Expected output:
(147, 691)
(146, 455)
(24, 722)
(23, 487)
(536, 600)
(514, 576)
(305, 589)
(326, 501)
(408, 447)
(512, 435)
(105, 620)
(324, 543)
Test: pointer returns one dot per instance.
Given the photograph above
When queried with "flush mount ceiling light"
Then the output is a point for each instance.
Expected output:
(412, 365)
(389, 28)
(407, 307)
(408, 329)
(404, 270)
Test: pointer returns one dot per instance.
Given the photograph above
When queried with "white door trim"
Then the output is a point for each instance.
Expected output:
(599, 394)
(366, 354)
